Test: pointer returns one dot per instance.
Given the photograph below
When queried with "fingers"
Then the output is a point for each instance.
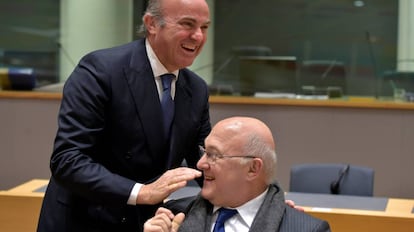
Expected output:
(292, 205)
(176, 222)
(161, 222)
(299, 208)
(178, 178)
(162, 210)
(183, 174)
(164, 221)
(169, 182)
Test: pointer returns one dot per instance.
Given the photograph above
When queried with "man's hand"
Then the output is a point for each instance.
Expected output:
(164, 221)
(169, 182)
(292, 204)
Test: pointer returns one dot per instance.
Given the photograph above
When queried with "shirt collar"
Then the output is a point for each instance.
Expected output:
(248, 210)
(158, 68)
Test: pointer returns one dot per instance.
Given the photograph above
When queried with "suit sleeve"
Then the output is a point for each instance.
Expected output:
(81, 124)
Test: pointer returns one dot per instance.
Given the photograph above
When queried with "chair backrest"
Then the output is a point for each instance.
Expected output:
(323, 74)
(395, 79)
(332, 178)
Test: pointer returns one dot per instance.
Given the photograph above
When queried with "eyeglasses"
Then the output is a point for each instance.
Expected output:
(213, 157)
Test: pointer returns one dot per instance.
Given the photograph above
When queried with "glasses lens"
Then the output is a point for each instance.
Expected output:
(209, 156)
(201, 150)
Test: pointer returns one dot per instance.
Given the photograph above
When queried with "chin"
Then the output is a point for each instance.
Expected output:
(206, 194)
(186, 61)
(186, 64)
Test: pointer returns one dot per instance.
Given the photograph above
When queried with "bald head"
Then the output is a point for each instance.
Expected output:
(244, 128)
(248, 136)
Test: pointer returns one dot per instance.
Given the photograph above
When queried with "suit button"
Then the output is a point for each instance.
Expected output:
(128, 155)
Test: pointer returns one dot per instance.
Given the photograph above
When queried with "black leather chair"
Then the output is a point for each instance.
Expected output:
(332, 178)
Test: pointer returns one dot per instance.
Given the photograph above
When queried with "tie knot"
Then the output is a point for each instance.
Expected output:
(225, 214)
(166, 80)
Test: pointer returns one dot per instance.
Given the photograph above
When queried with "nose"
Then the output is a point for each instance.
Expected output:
(202, 164)
(198, 34)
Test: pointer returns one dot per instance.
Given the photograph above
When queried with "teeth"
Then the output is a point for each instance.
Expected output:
(189, 47)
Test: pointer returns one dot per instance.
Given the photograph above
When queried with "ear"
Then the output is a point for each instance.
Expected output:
(150, 23)
(255, 168)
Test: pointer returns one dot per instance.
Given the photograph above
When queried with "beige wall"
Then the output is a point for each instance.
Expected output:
(379, 138)
(27, 129)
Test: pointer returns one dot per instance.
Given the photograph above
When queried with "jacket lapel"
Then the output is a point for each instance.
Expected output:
(199, 217)
(271, 212)
(143, 89)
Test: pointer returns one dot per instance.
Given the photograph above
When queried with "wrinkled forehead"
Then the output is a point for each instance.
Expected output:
(226, 137)
(187, 9)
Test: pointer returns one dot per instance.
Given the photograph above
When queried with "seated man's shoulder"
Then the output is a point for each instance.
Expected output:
(295, 220)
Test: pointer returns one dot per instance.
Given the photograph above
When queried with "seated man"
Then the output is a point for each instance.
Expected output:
(239, 166)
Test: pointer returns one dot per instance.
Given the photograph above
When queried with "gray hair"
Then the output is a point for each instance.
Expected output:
(154, 9)
(257, 147)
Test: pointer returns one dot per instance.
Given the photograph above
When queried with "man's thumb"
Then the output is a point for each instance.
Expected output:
(176, 222)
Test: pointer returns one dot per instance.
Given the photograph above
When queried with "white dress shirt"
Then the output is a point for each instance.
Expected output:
(242, 221)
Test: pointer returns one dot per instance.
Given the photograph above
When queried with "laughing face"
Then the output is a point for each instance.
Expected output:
(180, 35)
(224, 178)
(238, 161)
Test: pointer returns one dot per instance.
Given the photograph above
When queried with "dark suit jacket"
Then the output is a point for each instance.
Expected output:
(273, 215)
(110, 136)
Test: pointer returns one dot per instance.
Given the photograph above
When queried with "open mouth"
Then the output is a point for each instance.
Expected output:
(189, 47)
(208, 178)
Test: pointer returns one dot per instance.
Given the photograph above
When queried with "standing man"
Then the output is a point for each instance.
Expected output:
(116, 155)
(239, 167)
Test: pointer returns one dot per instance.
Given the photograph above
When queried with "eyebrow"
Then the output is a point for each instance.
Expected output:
(211, 149)
(194, 20)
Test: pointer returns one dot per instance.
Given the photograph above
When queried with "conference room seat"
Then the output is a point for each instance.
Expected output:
(228, 70)
(323, 74)
(391, 80)
(332, 178)
(17, 78)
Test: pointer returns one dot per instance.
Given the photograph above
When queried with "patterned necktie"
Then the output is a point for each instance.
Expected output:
(224, 214)
(167, 102)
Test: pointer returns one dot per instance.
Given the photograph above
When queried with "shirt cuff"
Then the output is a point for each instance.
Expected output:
(132, 200)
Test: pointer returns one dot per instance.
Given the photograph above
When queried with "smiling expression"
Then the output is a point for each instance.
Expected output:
(224, 180)
(180, 38)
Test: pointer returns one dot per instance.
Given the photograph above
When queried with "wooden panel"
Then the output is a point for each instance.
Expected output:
(20, 207)
(19, 213)
(347, 102)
